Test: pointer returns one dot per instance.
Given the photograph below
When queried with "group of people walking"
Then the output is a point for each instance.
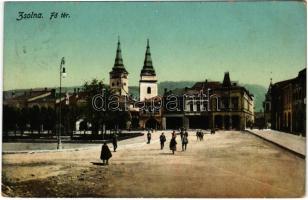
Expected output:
(173, 143)
(106, 153)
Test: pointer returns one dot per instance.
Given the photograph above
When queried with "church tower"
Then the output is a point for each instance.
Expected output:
(148, 80)
(118, 75)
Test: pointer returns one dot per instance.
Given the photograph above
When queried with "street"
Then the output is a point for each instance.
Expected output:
(227, 164)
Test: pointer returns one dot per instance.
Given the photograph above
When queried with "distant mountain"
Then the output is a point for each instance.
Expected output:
(257, 90)
(259, 94)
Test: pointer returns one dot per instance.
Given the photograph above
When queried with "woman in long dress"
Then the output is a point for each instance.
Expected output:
(105, 153)
(173, 144)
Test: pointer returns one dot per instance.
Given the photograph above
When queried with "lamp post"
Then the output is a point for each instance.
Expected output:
(230, 108)
(62, 74)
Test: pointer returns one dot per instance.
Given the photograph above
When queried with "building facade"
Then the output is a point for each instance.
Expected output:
(288, 104)
(209, 105)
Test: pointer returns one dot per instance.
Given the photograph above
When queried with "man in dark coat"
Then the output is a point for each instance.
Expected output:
(184, 142)
(115, 142)
(162, 139)
(149, 137)
(105, 153)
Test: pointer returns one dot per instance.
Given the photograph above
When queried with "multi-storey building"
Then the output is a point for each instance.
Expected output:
(287, 103)
(209, 104)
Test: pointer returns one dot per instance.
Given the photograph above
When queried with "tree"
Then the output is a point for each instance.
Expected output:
(92, 115)
(9, 118)
(35, 119)
(50, 122)
(23, 119)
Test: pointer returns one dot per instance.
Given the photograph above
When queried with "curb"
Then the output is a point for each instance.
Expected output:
(279, 145)
(46, 151)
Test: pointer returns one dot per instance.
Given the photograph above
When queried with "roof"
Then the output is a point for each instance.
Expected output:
(212, 85)
(148, 69)
(284, 83)
(206, 84)
(30, 94)
(118, 66)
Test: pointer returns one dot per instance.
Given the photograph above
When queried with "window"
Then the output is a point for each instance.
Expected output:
(198, 107)
(234, 103)
(225, 102)
(149, 90)
(112, 84)
(118, 83)
(191, 107)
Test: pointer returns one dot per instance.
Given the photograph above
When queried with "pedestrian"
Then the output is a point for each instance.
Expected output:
(149, 137)
(182, 133)
(201, 135)
(173, 134)
(162, 139)
(198, 135)
(173, 144)
(186, 133)
(184, 142)
(115, 142)
(105, 153)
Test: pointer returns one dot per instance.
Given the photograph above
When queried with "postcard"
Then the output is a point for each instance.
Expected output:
(154, 99)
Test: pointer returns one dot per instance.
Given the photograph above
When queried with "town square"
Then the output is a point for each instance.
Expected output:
(226, 164)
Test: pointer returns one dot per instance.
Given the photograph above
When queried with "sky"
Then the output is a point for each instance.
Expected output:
(190, 41)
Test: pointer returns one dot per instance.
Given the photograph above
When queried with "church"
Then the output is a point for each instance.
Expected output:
(119, 76)
(148, 90)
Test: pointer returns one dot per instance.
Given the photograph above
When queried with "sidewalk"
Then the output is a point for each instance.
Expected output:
(294, 143)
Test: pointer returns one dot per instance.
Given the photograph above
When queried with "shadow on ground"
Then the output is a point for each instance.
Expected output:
(98, 163)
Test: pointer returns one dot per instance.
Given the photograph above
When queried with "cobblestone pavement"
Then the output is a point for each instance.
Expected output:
(227, 164)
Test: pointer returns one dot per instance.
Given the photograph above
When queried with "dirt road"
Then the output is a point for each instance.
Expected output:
(227, 164)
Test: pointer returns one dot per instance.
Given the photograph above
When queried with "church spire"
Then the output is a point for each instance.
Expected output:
(148, 65)
(118, 62)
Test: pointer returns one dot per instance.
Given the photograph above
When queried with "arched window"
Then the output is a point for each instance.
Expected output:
(149, 90)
